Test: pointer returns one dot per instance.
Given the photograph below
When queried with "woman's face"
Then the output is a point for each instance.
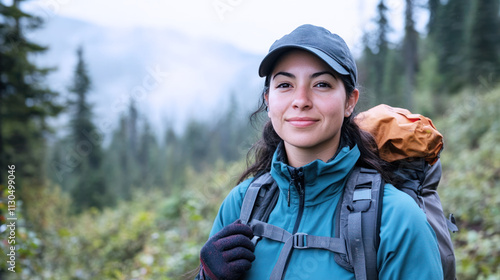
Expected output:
(307, 104)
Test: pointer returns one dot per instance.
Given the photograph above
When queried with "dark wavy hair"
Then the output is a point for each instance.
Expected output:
(263, 150)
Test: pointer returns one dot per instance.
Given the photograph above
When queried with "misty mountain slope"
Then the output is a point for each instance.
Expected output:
(170, 76)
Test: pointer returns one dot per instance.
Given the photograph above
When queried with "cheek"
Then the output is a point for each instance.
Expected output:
(274, 106)
(273, 113)
(335, 111)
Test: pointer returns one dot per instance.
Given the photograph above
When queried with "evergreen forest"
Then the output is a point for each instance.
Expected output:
(141, 205)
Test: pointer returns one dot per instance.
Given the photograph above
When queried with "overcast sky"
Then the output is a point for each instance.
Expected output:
(252, 25)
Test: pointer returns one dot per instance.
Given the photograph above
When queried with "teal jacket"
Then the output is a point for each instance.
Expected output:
(408, 246)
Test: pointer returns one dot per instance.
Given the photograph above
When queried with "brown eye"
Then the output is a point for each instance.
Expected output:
(283, 85)
(323, 85)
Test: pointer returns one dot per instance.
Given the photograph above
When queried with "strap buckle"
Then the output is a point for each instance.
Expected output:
(255, 239)
(300, 241)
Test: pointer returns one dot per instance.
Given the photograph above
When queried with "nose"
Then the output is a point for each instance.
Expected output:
(302, 100)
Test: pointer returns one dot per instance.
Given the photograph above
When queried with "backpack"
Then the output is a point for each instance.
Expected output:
(414, 147)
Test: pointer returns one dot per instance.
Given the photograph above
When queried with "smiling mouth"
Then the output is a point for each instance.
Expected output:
(302, 122)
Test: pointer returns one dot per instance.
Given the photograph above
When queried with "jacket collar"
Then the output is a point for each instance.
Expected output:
(322, 180)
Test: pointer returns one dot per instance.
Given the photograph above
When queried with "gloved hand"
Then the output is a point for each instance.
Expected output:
(228, 254)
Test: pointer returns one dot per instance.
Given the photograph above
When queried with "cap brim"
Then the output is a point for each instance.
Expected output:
(267, 64)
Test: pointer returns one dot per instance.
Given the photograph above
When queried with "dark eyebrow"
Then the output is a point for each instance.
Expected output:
(289, 75)
(315, 75)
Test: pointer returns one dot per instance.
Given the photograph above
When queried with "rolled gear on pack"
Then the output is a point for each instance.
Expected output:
(401, 135)
(412, 144)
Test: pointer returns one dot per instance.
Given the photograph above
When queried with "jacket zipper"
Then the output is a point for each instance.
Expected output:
(297, 179)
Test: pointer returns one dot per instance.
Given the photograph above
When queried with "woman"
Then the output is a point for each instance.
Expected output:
(310, 145)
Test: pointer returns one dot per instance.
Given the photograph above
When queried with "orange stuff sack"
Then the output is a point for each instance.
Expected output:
(400, 134)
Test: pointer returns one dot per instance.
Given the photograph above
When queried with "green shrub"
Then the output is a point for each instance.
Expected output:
(471, 181)
(153, 236)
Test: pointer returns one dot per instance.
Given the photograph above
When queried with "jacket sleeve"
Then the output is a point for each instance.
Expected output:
(230, 208)
(408, 245)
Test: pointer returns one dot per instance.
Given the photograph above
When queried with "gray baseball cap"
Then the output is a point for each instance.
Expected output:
(329, 47)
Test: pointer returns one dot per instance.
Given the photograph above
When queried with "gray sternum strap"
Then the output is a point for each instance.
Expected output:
(269, 231)
(294, 241)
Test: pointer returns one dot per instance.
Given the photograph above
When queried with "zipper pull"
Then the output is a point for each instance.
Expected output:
(292, 183)
(288, 198)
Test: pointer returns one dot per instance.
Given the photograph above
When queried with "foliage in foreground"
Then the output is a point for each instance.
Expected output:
(471, 181)
(153, 236)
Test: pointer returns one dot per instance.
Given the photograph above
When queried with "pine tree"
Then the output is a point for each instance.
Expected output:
(230, 133)
(175, 159)
(410, 54)
(382, 48)
(117, 162)
(367, 75)
(148, 159)
(25, 102)
(129, 155)
(448, 43)
(194, 145)
(483, 42)
(393, 82)
(375, 58)
(433, 6)
(89, 189)
(132, 137)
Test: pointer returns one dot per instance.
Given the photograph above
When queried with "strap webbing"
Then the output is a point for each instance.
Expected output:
(358, 215)
(294, 241)
(269, 231)
(251, 197)
(332, 244)
(356, 245)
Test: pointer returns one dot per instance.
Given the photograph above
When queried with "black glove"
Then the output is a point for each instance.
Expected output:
(229, 253)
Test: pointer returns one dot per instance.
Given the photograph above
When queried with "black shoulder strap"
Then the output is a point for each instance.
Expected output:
(358, 222)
